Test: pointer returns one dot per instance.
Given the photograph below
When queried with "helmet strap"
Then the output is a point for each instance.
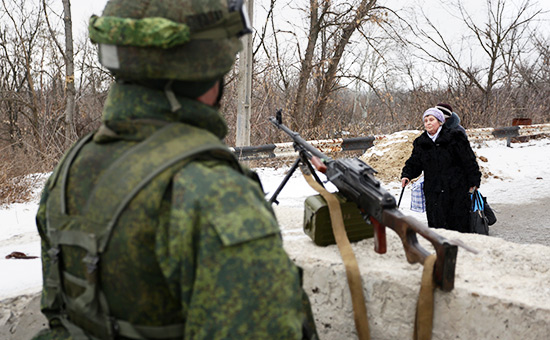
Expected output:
(220, 93)
(171, 96)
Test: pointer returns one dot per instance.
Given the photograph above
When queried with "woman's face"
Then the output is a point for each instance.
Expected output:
(431, 124)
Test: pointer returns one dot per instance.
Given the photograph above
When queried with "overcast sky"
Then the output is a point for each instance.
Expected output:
(82, 10)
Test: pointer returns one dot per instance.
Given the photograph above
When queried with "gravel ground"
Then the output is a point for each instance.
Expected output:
(523, 223)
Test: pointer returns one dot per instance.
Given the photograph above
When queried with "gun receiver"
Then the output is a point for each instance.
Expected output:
(355, 180)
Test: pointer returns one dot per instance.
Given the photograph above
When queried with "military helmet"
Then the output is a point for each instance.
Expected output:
(187, 40)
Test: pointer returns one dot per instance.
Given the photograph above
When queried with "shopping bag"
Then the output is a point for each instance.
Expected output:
(489, 213)
(478, 220)
(418, 201)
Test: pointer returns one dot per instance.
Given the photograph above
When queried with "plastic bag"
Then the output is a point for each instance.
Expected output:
(418, 201)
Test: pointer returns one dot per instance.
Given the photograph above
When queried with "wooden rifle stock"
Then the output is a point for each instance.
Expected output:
(407, 227)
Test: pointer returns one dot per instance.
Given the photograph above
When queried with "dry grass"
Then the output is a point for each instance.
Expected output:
(18, 180)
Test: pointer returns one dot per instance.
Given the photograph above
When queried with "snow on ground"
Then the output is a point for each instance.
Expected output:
(519, 174)
(18, 233)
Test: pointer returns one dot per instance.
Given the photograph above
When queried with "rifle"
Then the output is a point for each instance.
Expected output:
(356, 182)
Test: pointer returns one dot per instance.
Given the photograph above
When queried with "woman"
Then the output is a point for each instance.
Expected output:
(450, 172)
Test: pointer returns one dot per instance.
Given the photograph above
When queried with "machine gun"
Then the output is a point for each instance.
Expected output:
(356, 182)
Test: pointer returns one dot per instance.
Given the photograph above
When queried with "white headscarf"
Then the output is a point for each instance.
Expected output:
(435, 135)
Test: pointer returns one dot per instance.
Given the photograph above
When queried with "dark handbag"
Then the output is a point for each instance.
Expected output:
(478, 221)
(489, 213)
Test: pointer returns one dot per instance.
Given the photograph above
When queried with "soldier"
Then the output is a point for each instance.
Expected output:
(150, 227)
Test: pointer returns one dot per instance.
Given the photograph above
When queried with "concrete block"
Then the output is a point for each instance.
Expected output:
(503, 292)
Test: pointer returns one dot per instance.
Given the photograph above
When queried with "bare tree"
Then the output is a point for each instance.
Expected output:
(315, 22)
(300, 66)
(68, 56)
(358, 17)
(498, 38)
(314, 75)
(22, 30)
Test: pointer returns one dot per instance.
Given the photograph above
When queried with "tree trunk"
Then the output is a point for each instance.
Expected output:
(298, 108)
(330, 76)
(70, 130)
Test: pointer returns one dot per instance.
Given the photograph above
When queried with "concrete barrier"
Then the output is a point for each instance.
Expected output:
(508, 132)
(501, 293)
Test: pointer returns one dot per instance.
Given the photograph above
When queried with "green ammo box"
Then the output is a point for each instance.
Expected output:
(318, 227)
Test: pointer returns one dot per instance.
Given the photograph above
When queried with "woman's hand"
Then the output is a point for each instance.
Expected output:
(405, 181)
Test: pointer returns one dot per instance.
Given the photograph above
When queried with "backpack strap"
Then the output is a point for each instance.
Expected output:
(54, 222)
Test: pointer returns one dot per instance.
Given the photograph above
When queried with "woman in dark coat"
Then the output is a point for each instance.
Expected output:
(450, 172)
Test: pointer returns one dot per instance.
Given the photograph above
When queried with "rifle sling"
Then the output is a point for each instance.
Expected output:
(423, 323)
(425, 305)
(348, 257)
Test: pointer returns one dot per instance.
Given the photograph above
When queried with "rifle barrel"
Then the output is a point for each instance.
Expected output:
(299, 142)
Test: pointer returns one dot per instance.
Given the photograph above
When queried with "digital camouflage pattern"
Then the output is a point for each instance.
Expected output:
(147, 32)
(199, 245)
(202, 58)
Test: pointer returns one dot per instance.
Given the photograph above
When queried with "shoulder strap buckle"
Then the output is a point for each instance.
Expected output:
(53, 253)
(91, 262)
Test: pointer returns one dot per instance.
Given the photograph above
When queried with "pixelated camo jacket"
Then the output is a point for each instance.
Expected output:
(199, 247)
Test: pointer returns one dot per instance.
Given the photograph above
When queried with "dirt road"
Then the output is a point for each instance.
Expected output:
(523, 223)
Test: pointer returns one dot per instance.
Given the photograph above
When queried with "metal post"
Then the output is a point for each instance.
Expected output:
(245, 86)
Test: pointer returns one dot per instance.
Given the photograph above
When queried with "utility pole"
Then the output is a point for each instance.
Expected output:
(245, 86)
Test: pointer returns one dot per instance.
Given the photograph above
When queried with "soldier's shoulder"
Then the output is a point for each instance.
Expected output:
(233, 202)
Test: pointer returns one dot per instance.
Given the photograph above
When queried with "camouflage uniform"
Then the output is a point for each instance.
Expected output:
(195, 254)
